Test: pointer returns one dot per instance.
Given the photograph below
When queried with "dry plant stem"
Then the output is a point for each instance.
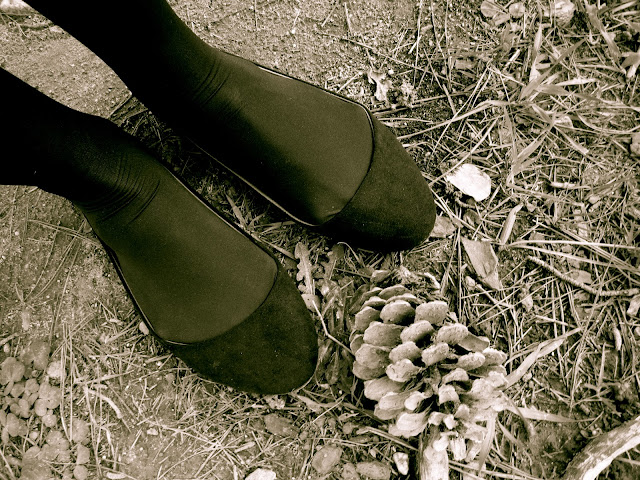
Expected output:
(629, 292)
(509, 224)
(326, 330)
(8, 339)
(601, 451)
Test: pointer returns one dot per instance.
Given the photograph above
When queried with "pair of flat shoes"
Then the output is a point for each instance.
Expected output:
(217, 299)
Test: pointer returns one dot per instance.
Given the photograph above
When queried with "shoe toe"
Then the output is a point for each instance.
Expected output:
(393, 209)
(273, 351)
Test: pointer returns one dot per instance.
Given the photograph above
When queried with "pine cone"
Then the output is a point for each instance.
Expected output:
(425, 370)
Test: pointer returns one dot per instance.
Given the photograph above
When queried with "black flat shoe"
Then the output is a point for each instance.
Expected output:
(320, 157)
(207, 291)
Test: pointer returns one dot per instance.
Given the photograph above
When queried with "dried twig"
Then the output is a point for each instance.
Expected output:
(629, 292)
(601, 451)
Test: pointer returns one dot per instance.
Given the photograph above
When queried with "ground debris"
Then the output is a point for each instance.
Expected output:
(326, 459)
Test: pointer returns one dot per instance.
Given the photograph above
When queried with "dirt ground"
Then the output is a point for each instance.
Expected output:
(154, 419)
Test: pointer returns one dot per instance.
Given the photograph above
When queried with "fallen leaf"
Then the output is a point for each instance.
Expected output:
(278, 425)
(592, 15)
(632, 62)
(494, 12)
(484, 261)
(472, 181)
(634, 306)
(490, 9)
(305, 269)
(382, 83)
(443, 227)
(541, 350)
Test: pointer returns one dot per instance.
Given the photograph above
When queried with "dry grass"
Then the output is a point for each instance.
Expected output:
(565, 191)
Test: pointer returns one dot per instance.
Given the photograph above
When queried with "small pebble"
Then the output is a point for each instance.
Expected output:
(49, 420)
(348, 428)
(37, 352)
(35, 469)
(326, 459)
(349, 472)
(11, 370)
(83, 454)
(262, 474)
(374, 470)
(56, 370)
(143, 328)
(40, 407)
(80, 472)
(79, 431)
(401, 460)
(17, 390)
(31, 386)
(16, 427)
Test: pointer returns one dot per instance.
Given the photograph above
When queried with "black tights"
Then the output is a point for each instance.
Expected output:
(232, 108)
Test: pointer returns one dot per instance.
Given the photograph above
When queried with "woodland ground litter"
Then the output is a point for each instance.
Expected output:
(545, 109)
